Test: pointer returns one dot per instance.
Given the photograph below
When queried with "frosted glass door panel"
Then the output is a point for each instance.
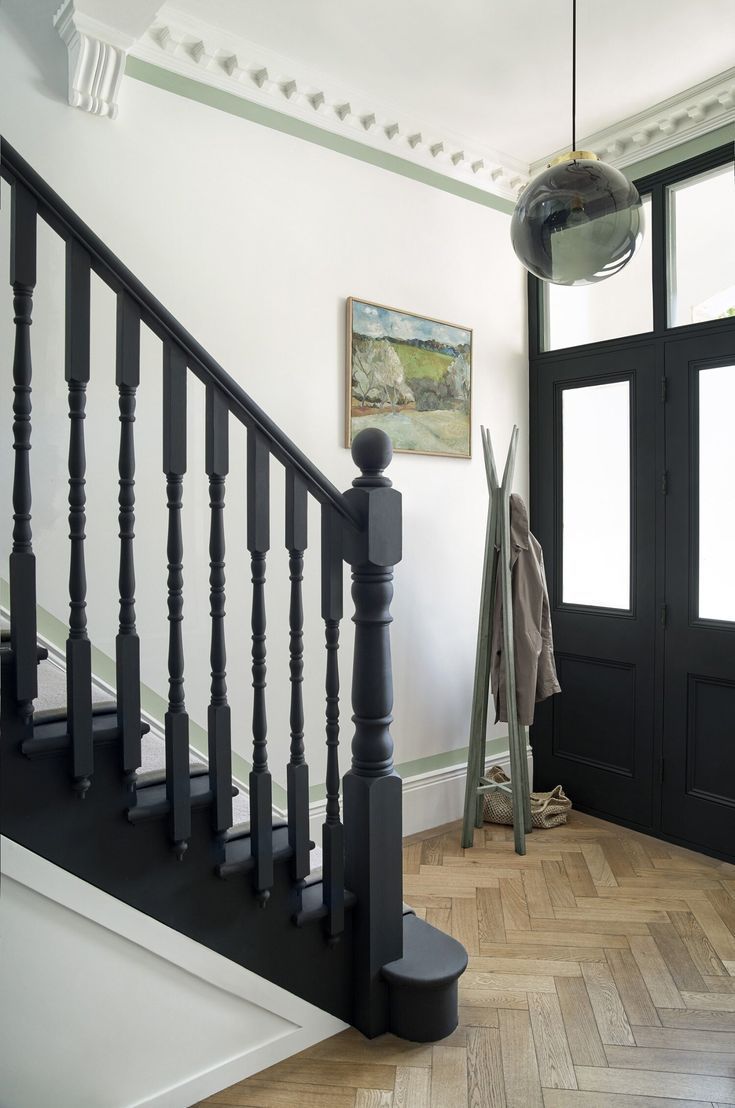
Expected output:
(702, 248)
(717, 493)
(596, 495)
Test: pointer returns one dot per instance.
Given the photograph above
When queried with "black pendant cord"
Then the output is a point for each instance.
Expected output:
(574, 74)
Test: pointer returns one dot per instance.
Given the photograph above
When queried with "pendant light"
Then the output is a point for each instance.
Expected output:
(579, 221)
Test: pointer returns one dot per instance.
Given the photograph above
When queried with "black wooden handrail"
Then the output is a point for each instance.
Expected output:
(54, 211)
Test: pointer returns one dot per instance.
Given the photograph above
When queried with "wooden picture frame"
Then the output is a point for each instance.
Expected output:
(410, 375)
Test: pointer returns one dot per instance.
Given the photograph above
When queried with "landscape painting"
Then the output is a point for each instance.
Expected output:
(411, 376)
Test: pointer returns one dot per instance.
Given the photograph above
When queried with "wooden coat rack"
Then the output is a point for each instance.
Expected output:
(497, 552)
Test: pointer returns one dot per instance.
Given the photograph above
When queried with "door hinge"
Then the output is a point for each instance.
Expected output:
(664, 389)
(665, 482)
(664, 614)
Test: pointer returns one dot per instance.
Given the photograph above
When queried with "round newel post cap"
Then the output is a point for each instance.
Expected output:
(372, 452)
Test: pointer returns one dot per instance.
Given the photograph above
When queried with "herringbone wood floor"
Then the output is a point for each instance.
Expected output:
(601, 975)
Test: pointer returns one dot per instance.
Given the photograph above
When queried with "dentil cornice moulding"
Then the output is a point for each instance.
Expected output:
(160, 34)
(687, 115)
(191, 48)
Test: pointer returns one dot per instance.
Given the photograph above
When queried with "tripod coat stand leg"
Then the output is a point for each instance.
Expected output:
(478, 721)
(518, 777)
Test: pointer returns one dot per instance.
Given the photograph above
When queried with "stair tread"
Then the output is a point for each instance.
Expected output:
(431, 960)
(312, 901)
(238, 858)
(152, 802)
(50, 733)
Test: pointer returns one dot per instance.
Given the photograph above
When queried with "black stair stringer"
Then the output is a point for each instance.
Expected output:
(95, 841)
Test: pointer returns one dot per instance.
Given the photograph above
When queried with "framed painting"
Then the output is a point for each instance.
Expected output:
(411, 376)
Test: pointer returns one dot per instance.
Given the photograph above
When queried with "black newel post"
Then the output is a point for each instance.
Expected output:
(372, 790)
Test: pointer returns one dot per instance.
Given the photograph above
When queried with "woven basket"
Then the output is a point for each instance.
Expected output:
(547, 809)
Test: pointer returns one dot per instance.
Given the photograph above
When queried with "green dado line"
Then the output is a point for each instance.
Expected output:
(277, 121)
(54, 631)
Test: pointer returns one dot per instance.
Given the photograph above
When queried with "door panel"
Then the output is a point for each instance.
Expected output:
(698, 793)
(594, 507)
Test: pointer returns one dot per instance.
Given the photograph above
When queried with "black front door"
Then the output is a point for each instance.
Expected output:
(594, 505)
(698, 790)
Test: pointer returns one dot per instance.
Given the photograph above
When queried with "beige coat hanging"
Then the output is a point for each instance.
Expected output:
(533, 645)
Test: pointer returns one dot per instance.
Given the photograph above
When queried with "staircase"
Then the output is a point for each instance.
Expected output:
(164, 841)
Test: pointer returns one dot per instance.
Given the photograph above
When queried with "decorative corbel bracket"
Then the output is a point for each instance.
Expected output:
(97, 50)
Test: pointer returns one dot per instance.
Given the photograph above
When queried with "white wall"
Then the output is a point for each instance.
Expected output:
(103, 1007)
(254, 239)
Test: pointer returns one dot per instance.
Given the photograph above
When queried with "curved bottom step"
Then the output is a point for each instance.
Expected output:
(423, 983)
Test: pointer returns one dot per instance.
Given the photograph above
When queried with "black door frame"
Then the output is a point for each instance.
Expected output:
(654, 185)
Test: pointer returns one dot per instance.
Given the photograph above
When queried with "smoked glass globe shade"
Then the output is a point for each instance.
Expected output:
(578, 222)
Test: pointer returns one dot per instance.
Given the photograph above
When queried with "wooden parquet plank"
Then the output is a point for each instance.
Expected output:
(465, 924)
(672, 1061)
(524, 945)
(490, 919)
(515, 907)
(256, 1093)
(485, 1084)
(562, 1098)
(412, 1088)
(655, 973)
(600, 872)
(636, 998)
(702, 953)
(534, 966)
(674, 1038)
(439, 917)
(373, 1098)
(676, 956)
(556, 1070)
(710, 1002)
(520, 1068)
(607, 1006)
(656, 1083)
(478, 1017)
(559, 888)
(701, 1021)
(537, 894)
(580, 1025)
(579, 875)
(714, 927)
(592, 937)
(449, 1077)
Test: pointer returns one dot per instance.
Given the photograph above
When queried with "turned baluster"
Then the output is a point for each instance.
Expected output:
(258, 534)
(22, 562)
(218, 713)
(78, 647)
(178, 784)
(127, 644)
(297, 772)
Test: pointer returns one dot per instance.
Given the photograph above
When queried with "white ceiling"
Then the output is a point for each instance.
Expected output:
(495, 71)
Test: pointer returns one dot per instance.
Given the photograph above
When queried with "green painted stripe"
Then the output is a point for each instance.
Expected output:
(103, 667)
(689, 149)
(277, 121)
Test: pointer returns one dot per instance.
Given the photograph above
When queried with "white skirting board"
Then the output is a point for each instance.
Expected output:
(429, 799)
(104, 1007)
